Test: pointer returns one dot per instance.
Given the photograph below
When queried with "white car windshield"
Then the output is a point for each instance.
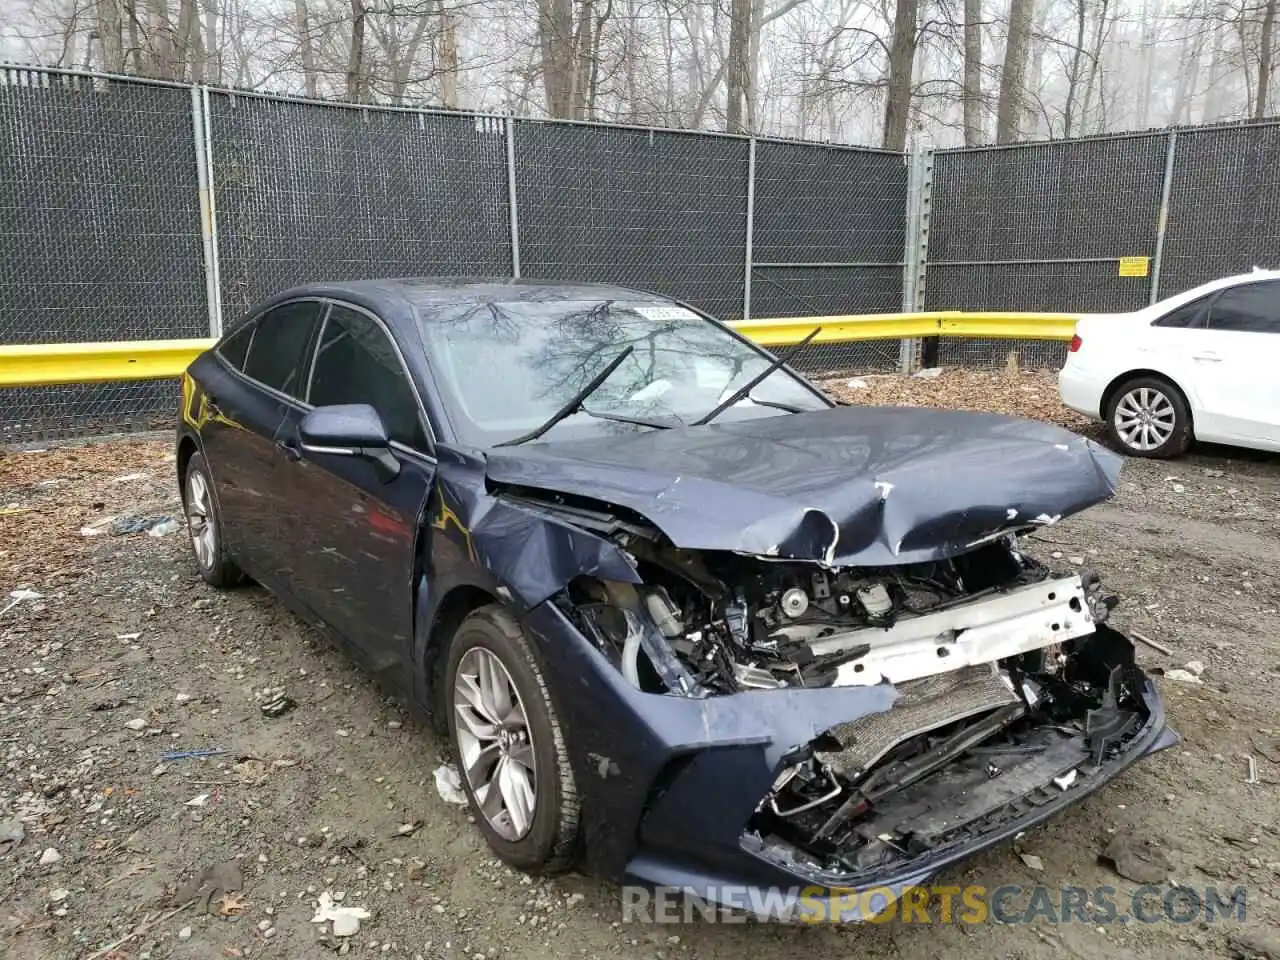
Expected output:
(505, 368)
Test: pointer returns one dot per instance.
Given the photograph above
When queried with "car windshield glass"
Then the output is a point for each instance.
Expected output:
(505, 368)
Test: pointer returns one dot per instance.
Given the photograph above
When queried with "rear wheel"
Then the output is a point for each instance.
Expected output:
(511, 753)
(1148, 417)
(205, 526)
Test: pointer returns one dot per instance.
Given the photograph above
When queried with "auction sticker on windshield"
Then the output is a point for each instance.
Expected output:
(663, 311)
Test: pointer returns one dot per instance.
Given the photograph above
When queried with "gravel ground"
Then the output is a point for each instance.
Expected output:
(128, 655)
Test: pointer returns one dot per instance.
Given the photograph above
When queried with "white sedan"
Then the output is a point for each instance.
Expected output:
(1203, 365)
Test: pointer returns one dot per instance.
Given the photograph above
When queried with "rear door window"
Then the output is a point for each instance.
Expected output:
(278, 352)
(1249, 308)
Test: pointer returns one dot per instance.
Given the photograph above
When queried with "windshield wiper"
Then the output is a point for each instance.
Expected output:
(574, 404)
(755, 381)
(623, 418)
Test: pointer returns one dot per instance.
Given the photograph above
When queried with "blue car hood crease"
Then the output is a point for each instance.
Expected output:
(849, 486)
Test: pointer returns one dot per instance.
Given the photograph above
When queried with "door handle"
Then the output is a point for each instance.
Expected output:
(1208, 356)
(290, 450)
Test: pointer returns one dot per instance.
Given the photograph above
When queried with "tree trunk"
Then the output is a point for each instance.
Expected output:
(306, 48)
(1032, 108)
(212, 48)
(753, 64)
(1095, 62)
(555, 41)
(1148, 66)
(448, 59)
(902, 55)
(1073, 73)
(1188, 78)
(355, 54)
(972, 88)
(591, 65)
(1217, 67)
(737, 64)
(111, 36)
(188, 57)
(1264, 59)
(1013, 74)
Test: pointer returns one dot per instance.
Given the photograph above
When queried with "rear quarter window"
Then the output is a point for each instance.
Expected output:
(235, 347)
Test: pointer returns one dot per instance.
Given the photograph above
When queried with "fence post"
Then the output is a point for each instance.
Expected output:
(208, 206)
(1162, 221)
(751, 228)
(915, 254)
(512, 205)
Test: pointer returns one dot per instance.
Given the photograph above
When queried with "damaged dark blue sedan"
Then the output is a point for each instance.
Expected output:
(688, 622)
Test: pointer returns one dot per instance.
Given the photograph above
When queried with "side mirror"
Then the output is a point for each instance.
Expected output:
(348, 430)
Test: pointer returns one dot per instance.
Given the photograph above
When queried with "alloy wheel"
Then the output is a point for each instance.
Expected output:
(494, 743)
(200, 521)
(1144, 418)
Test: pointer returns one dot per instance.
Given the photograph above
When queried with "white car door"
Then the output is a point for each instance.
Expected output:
(1235, 360)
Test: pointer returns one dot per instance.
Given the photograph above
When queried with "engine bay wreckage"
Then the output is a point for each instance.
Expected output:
(872, 562)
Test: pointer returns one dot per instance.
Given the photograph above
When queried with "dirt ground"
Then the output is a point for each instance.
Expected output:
(338, 794)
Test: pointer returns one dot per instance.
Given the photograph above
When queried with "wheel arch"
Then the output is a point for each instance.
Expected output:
(438, 621)
(187, 448)
(1117, 382)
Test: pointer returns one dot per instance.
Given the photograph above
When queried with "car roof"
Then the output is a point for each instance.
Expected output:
(425, 293)
(1253, 276)
(1174, 301)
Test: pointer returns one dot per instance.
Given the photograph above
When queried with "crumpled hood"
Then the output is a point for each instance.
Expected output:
(866, 486)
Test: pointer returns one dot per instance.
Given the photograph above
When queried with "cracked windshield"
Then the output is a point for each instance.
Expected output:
(504, 368)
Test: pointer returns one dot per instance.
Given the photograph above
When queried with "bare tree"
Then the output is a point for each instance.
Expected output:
(971, 92)
(1264, 58)
(737, 84)
(356, 79)
(902, 56)
(1012, 98)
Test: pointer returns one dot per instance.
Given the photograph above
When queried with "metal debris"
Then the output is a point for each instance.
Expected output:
(278, 706)
(1158, 647)
(192, 754)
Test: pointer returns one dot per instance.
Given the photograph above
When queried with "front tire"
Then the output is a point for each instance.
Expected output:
(510, 748)
(205, 526)
(1149, 417)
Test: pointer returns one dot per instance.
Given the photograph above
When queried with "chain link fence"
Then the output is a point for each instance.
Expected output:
(1040, 227)
(318, 192)
(1047, 226)
(105, 180)
(99, 238)
(829, 227)
(140, 210)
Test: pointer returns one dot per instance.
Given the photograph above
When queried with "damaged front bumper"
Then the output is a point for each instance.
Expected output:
(670, 785)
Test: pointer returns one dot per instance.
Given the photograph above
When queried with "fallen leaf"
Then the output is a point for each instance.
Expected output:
(232, 904)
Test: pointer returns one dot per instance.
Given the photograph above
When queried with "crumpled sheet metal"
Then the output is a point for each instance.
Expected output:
(851, 486)
(531, 554)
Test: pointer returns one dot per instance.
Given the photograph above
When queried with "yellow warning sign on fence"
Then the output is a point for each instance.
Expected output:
(1135, 266)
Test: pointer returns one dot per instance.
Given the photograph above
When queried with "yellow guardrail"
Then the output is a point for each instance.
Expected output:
(894, 326)
(48, 364)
